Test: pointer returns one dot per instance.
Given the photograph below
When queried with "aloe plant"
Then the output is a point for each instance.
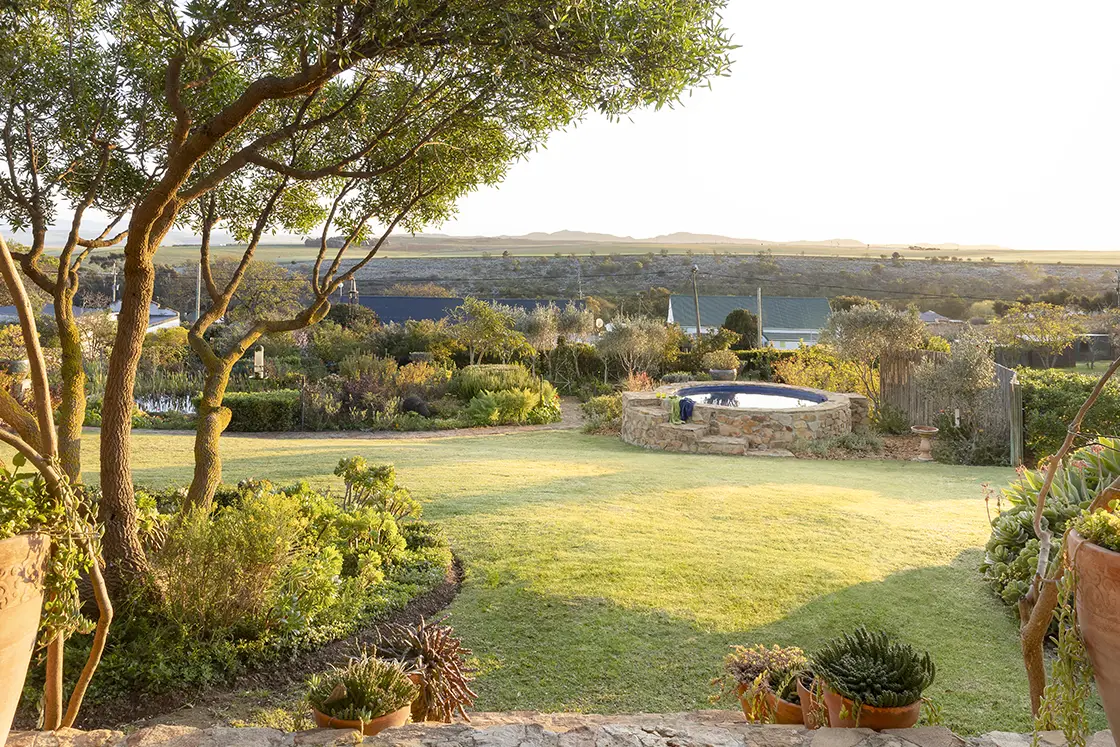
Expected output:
(870, 668)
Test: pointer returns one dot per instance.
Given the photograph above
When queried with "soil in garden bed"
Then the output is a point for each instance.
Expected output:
(281, 681)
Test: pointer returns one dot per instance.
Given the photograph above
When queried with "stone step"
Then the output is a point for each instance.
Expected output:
(724, 444)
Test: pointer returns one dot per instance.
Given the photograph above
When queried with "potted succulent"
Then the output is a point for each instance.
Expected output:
(723, 365)
(872, 681)
(435, 659)
(47, 542)
(765, 681)
(368, 694)
(1093, 550)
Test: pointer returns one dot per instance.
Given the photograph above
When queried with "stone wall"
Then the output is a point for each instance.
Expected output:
(527, 729)
(716, 429)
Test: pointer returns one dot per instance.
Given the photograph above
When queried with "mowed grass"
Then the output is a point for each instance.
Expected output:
(605, 578)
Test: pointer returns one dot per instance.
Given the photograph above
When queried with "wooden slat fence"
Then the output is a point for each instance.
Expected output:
(898, 388)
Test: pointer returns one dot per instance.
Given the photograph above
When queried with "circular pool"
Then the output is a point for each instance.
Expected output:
(738, 417)
(752, 396)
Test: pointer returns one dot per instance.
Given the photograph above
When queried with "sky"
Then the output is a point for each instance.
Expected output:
(977, 122)
(890, 122)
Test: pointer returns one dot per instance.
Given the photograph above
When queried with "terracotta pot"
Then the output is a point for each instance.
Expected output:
(781, 711)
(1098, 617)
(398, 717)
(870, 717)
(23, 562)
(811, 715)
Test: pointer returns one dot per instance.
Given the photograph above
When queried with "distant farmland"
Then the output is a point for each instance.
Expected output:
(446, 247)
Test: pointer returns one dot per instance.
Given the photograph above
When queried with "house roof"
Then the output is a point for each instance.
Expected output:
(403, 308)
(778, 312)
(932, 317)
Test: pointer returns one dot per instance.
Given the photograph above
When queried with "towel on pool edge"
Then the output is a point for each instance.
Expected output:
(674, 409)
(686, 406)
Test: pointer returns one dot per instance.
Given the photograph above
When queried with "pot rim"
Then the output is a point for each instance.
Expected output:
(342, 723)
(1082, 542)
(874, 709)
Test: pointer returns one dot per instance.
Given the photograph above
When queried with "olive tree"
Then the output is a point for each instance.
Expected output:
(866, 333)
(636, 343)
(1048, 329)
(142, 108)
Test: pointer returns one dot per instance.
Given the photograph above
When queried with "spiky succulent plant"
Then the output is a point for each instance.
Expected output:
(365, 689)
(437, 654)
(870, 668)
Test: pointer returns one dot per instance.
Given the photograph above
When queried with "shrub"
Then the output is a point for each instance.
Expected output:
(761, 360)
(548, 410)
(468, 382)
(968, 443)
(422, 379)
(869, 668)
(639, 382)
(720, 360)
(603, 414)
(1011, 555)
(270, 572)
(1101, 528)
(818, 367)
(217, 572)
(483, 409)
(438, 655)
(255, 412)
(1052, 397)
(761, 671)
(858, 443)
(891, 419)
(365, 689)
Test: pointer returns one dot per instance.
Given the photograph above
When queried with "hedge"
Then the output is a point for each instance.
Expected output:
(759, 358)
(255, 412)
(1051, 399)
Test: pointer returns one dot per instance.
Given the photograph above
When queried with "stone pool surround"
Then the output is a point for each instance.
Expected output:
(716, 429)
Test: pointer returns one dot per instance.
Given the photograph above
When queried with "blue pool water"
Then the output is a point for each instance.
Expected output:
(751, 396)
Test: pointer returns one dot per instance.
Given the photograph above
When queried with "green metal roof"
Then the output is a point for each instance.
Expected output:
(778, 312)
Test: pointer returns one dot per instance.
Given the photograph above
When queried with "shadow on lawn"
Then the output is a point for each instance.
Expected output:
(589, 654)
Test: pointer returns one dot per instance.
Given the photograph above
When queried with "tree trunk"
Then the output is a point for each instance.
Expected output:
(125, 560)
(72, 410)
(213, 418)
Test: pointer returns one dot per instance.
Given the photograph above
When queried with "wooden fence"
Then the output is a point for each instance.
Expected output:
(898, 388)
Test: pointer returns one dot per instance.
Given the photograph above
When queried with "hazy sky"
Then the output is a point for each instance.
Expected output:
(975, 122)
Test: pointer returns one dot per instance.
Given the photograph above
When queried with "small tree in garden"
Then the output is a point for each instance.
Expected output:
(963, 380)
(1043, 327)
(865, 334)
(636, 344)
(745, 324)
(485, 328)
(541, 328)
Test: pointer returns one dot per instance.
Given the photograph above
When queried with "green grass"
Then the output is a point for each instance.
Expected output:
(605, 578)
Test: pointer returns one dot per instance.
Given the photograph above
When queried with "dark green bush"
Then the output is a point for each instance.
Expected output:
(968, 443)
(1052, 397)
(256, 412)
(762, 360)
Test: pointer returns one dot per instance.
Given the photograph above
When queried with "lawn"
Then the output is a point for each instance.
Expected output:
(604, 578)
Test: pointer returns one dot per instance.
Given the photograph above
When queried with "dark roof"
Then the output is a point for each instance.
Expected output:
(402, 308)
(778, 312)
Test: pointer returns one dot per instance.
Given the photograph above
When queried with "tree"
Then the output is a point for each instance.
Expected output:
(541, 328)
(636, 343)
(1042, 327)
(843, 303)
(486, 328)
(745, 324)
(865, 334)
(142, 109)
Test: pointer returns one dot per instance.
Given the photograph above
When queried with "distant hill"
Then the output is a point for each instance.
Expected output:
(570, 236)
(683, 237)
